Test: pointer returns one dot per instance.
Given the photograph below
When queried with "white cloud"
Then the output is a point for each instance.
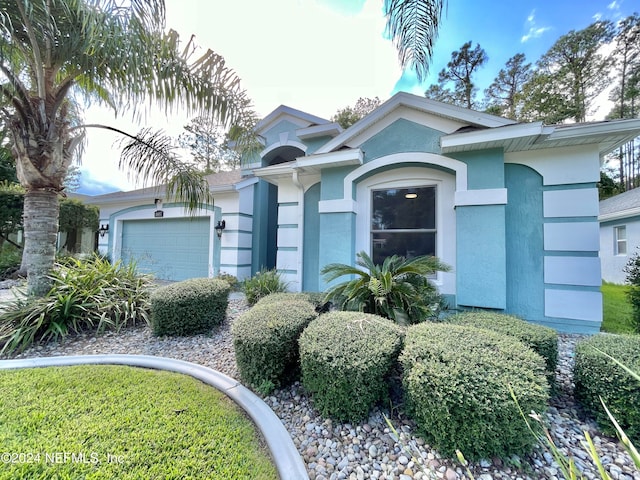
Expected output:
(533, 30)
(299, 53)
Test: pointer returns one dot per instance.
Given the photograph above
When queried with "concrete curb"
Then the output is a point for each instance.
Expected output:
(285, 456)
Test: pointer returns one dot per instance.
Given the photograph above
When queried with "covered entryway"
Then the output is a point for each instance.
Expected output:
(168, 248)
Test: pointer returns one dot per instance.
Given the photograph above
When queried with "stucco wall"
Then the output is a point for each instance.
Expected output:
(612, 264)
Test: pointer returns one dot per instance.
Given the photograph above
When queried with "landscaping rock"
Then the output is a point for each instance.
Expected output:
(370, 450)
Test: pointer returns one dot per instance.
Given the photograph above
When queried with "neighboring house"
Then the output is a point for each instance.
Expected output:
(513, 208)
(619, 233)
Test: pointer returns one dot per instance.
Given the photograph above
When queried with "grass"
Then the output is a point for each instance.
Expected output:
(616, 309)
(115, 422)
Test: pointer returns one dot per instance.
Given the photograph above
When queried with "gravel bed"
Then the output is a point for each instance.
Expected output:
(334, 451)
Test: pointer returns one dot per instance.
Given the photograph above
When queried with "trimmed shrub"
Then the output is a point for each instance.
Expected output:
(232, 280)
(632, 270)
(262, 284)
(265, 339)
(345, 357)
(190, 307)
(456, 380)
(596, 375)
(314, 298)
(543, 340)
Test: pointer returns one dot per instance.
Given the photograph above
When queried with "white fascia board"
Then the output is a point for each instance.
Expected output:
(327, 129)
(223, 188)
(510, 132)
(245, 183)
(630, 212)
(333, 159)
(275, 170)
(417, 103)
(127, 197)
(601, 128)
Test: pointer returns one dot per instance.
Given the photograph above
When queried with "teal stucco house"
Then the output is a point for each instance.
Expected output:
(511, 207)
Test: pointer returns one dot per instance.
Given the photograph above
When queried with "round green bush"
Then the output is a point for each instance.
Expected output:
(315, 298)
(541, 339)
(265, 339)
(345, 357)
(596, 375)
(456, 380)
(189, 307)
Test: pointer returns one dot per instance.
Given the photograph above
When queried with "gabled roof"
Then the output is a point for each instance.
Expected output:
(221, 181)
(422, 104)
(299, 117)
(621, 206)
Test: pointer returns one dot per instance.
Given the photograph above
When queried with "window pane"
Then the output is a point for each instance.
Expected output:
(403, 208)
(622, 247)
(407, 244)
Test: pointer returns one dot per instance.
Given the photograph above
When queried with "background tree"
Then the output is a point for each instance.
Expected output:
(505, 93)
(626, 94)
(347, 116)
(11, 206)
(459, 73)
(570, 75)
(207, 143)
(58, 54)
(413, 26)
(74, 217)
(627, 61)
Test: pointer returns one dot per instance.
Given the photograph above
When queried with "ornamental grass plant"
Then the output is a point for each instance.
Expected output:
(86, 294)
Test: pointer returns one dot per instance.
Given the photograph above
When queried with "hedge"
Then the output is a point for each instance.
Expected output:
(189, 307)
(456, 379)
(265, 339)
(596, 375)
(345, 357)
(541, 339)
(315, 298)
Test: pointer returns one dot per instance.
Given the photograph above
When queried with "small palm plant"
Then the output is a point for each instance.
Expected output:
(399, 289)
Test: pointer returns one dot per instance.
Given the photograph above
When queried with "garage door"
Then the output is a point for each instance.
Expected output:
(169, 248)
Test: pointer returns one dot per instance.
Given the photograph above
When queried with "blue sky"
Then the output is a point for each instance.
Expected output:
(322, 55)
(504, 28)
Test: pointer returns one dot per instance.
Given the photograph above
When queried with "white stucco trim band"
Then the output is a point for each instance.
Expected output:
(283, 143)
(337, 206)
(487, 196)
(460, 168)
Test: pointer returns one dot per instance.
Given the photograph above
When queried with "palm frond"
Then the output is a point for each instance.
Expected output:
(151, 155)
(413, 26)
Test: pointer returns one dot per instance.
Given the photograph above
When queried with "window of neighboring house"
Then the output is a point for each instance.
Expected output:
(403, 222)
(620, 240)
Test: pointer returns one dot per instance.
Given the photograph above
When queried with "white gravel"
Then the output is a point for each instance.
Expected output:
(369, 449)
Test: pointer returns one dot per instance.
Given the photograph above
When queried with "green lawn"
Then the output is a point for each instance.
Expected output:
(616, 309)
(114, 422)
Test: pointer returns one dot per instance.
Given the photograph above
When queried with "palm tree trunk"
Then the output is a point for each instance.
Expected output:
(41, 210)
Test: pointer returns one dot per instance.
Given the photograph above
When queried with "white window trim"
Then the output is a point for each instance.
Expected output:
(445, 214)
(617, 241)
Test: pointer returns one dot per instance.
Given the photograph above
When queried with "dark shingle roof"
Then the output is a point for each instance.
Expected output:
(628, 200)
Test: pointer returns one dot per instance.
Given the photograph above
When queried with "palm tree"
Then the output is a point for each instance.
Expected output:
(56, 55)
(413, 25)
(399, 289)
